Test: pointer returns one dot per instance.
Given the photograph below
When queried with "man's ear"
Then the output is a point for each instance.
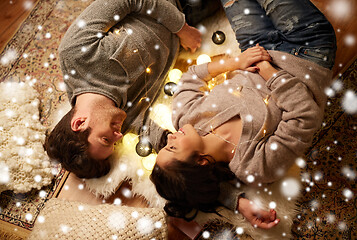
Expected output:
(78, 124)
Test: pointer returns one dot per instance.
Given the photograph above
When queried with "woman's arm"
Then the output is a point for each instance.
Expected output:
(257, 216)
(245, 61)
(233, 198)
(270, 157)
(266, 70)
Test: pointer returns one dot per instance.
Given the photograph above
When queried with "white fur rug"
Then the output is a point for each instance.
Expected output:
(24, 165)
(128, 165)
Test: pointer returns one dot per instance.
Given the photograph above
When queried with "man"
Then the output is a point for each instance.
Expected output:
(114, 58)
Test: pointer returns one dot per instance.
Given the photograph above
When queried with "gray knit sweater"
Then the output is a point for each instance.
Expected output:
(275, 132)
(110, 46)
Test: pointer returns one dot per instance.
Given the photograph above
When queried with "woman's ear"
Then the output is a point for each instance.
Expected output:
(203, 160)
(78, 124)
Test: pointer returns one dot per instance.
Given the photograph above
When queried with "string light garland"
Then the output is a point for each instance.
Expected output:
(227, 141)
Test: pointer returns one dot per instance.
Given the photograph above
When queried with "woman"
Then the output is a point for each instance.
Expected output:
(261, 118)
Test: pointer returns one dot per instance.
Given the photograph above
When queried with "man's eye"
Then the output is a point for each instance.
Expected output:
(105, 140)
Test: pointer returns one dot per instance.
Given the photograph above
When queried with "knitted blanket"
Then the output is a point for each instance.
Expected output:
(24, 165)
(61, 219)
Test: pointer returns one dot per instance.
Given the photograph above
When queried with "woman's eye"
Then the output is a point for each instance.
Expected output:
(172, 147)
(105, 140)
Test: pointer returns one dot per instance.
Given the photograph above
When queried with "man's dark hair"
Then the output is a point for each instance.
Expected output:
(70, 148)
(190, 186)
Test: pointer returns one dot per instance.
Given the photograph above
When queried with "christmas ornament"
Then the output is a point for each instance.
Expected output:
(218, 37)
(143, 148)
(170, 88)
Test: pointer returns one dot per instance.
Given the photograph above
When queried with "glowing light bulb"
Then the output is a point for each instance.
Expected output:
(204, 58)
(149, 161)
(266, 100)
(161, 115)
(211, 85)
(148, 70)
(130, 140)
(175, 75)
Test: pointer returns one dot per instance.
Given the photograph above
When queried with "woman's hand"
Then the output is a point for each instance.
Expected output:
(256, 216)
(249, 58)
(190, 38)
(266, 70)
(245, 61)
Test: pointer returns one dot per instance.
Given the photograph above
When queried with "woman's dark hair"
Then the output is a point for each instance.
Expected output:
(190, 186)
(70, 148)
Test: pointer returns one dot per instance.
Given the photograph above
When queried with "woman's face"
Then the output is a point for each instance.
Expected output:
(180, 146)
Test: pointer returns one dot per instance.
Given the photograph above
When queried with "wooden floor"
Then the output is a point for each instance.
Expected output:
(12, 15)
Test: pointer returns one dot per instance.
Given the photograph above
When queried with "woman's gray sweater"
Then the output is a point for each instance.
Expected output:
(123, 50)
(276, 131)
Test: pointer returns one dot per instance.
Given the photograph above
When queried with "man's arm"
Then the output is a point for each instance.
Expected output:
(96, 20)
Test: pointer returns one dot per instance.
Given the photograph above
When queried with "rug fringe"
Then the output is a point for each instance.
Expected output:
(9, 236)
(9, 231)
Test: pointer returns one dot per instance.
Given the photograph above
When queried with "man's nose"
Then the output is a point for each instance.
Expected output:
(118, 136)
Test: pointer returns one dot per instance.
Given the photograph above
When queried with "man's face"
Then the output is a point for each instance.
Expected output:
(105, 123)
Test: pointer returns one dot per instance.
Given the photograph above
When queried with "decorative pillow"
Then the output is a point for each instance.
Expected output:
(62, 219)
(23, 162)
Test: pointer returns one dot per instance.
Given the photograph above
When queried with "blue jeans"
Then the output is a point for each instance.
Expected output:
(293, 26)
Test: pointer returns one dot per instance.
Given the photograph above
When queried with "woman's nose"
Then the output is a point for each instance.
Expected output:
(171, 136)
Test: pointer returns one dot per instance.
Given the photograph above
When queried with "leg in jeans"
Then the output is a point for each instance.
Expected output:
(293, 26)
(305, 30)
(250, 24)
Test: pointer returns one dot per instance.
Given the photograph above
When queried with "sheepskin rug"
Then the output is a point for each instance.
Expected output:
(24, 165)
(127, 165)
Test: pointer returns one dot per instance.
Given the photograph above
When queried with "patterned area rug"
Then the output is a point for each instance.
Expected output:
(25, 58)
(328, 208)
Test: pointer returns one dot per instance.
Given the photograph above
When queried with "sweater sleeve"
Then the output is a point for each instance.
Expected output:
(229, 195)
(102, 15)
(190, 94)
(301, 118)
